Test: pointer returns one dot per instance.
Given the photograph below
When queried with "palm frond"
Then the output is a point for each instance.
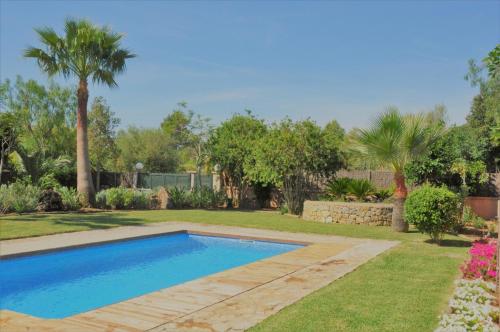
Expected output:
(394, 139)
(86, 50)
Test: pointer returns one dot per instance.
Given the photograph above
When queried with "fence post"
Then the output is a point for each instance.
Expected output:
(192, 179)
(216, 181)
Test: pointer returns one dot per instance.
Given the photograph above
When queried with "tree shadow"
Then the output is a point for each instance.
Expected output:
(94, 220)
(451, 243)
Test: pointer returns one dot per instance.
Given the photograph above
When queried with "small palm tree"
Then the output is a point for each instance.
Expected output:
(394, 140)
(85, 51)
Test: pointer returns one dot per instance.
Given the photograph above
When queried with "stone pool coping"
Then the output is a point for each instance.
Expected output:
(231, 300)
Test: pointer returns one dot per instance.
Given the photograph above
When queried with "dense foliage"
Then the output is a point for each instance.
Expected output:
(290, 155)
(230, 145)
(456, 160)
(124, 198)
(433, 210)
(355, 189)
(199, 198)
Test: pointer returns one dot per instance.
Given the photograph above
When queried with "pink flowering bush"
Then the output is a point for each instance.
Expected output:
(483, 261)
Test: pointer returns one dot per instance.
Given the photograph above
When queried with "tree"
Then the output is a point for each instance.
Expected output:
(394, 140)
(199, 133)
(149, 146)
(7, 137)
(85, 51)
(44, 121)
(102, 134)
(229, 145)
(484, 115)
(456, 160)
(291, 155)
(176, 125)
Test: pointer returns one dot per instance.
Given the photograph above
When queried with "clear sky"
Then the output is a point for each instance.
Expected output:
(324, 60)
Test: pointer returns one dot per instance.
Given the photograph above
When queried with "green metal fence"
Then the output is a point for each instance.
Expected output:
(179, 180)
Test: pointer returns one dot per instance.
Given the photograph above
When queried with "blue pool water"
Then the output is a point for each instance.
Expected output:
(63, 283)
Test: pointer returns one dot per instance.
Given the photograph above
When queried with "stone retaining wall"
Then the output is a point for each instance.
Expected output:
(377, 214)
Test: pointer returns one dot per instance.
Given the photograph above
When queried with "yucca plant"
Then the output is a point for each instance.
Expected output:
(84, 51)
(360, 188)
(383, 194)
(393, 140)
(338, 188)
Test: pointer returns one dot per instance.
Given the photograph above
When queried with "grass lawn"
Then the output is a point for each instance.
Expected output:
(404, 289)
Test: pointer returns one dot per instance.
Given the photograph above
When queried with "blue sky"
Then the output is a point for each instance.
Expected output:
(324, 60)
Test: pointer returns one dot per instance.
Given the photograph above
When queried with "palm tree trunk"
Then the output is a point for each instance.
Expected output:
(85, 186)
(398, 223)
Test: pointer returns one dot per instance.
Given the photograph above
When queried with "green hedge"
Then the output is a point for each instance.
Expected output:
(433, 210)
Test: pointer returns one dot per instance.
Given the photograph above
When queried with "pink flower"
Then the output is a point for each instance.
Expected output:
(482, 263)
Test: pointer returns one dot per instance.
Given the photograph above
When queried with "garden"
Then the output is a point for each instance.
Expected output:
(267, 172)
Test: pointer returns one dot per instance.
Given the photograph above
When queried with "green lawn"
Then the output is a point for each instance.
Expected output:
(404, 289)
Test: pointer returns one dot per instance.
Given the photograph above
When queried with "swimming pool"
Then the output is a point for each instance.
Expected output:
(67, 282)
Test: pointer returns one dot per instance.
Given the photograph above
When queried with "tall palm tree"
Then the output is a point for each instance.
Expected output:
(84, 51)
(394, 140)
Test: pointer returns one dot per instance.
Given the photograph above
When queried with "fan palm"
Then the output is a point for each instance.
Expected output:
(394, 140)
(85, 51)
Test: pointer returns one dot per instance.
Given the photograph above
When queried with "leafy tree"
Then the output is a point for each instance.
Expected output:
(8, 137)
(395, 140)
(230, 144)
(45, 118)
(484, 115)
(456, 160)
(292, 154)
(149, 146)
(84, 51)
(177, 125)
(102, 134)
(199, 133)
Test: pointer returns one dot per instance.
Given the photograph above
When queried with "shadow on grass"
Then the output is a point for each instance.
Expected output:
(451, 243)
(97, 220)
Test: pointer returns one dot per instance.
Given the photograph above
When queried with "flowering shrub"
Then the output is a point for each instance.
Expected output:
(483, 261)
(471, 308)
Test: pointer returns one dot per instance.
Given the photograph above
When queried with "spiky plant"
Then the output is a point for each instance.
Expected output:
(338, 188)
(392, 141)
(360, 188)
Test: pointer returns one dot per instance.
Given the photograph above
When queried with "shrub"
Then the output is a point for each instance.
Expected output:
(19, 197)
(128, 197)
(142, 200)
(205, 198)
(360, 188)
(50, 200)
(114, 198)
(472, 219)
(338, 188)
(100, 199)
(124, 198)
(483, 261)
(433, 210)
(178, 197)
(383, 194)
(69, 197)
(48, 181)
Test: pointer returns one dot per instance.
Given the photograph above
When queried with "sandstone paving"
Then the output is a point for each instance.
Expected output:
(230, 300)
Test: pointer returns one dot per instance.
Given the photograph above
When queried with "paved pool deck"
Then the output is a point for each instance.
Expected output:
(231, 300)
